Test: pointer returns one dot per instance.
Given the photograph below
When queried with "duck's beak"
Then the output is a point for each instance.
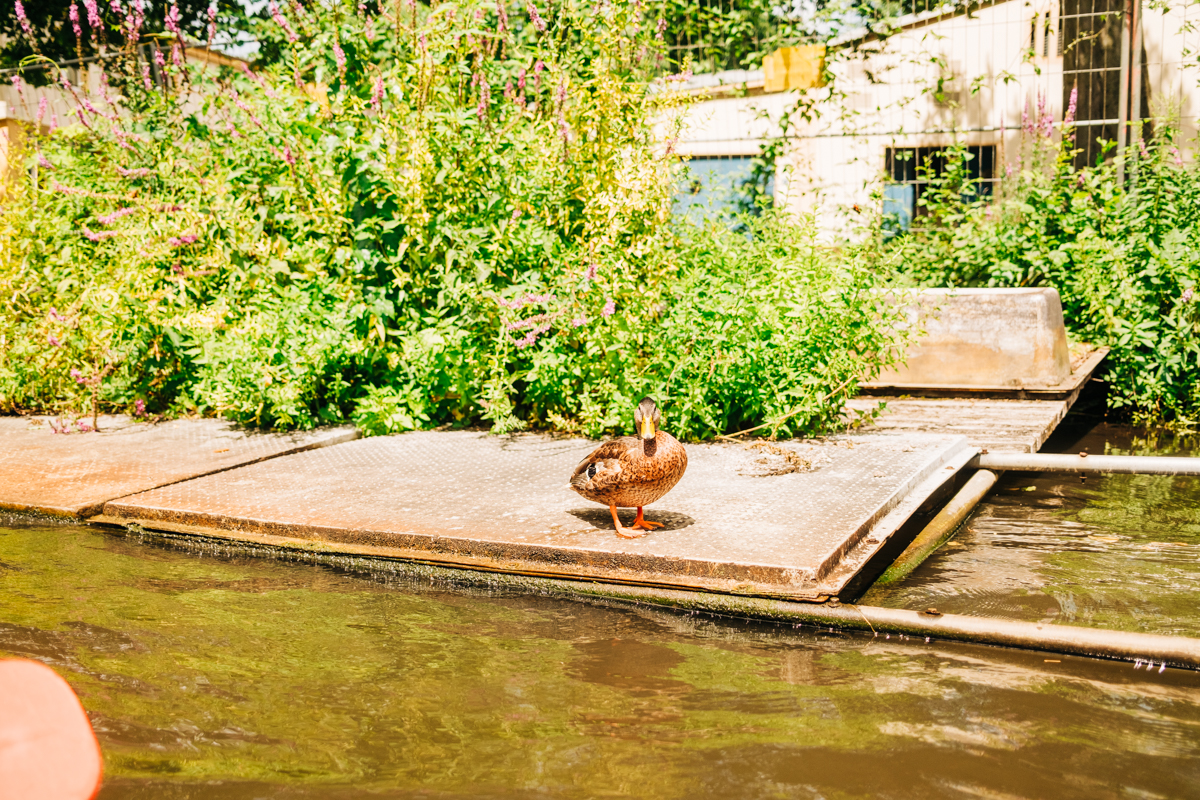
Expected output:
(648, 431)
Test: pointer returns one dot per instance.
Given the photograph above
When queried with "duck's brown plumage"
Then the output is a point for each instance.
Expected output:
(632, 471)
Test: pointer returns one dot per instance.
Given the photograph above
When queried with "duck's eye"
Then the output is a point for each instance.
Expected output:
(591, 470)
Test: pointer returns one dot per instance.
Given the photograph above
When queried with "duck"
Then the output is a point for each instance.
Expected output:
(633, 471)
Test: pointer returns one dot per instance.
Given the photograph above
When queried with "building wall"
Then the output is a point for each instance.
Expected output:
(942, 79)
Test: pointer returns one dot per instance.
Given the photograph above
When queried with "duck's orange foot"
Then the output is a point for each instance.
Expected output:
(630, 533)
(644, 524)
(635, 532)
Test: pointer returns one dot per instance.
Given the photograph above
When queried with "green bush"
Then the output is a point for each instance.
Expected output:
(454, 215)
(1124, 255)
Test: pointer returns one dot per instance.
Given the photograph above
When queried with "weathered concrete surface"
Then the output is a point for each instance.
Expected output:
(74, 474)
(999, 339)
(1019, 426)
(502, 504)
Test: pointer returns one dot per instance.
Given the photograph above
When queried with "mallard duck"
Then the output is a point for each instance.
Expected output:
(633, 471)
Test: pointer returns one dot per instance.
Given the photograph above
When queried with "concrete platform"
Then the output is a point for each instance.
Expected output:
(74, 474)
(740, 522)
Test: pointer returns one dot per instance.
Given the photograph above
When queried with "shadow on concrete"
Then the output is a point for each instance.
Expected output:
(599, 518)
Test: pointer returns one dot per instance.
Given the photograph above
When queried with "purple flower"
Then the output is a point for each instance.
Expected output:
(287, 155)
(96, 237)
(660, 29)
(1070, 115)
(282, 22)
(377, 94)
(78, 376)
(502, 13)
(16, 82)
(146, 76)
(139, 407)
(485, 97)
(43, 161)
(83, 426)
(109, 219)
(54, 315)
(1026, 125)
(53, 340)
(532, 336)
(180, 241)
(73, 14)
(534, 16)
(537, 75)
(590, 275)
(134, 173)
(212, 22)
(579, 322)
(1178, 157)
(93, 13)
(340, 57)
(21, 18)
(1186, 297)
(1142, 148)
(41, 112)
(610, 308)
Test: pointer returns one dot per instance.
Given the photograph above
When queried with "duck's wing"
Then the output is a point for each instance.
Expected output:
(603, 467)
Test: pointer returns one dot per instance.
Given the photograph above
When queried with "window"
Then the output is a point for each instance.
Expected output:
(909, 169)
(715, 186)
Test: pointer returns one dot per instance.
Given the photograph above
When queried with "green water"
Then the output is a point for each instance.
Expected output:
(222, 674)
(1116, 551)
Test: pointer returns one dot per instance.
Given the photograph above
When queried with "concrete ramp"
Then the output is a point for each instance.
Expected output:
(792, 520)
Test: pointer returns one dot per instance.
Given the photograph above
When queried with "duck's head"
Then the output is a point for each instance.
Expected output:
(646, 417)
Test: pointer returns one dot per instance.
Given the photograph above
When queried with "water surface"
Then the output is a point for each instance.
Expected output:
(1110, 551)
(217, 673)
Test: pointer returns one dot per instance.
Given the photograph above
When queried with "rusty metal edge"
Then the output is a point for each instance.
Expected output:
(459, 561)
(1174, 651)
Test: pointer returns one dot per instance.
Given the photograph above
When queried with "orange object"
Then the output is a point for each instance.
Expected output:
(47, 748)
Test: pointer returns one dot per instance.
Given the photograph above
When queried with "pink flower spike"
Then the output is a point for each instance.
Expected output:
(96, 237)
(1071, 106)
(610, 308)
(535, 17)
(73, 15)
(188, 238)
(139, 407)
(21, 18)
(377, 94)
(93, 14)
(590, 275)
(340, 58)
(53, 340)
(287, 155)
(54, 315)
(109, 219)
(212, 22)
(578, 322)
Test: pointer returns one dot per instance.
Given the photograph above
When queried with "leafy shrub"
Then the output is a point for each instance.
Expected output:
(1124, 255)
(441, 216)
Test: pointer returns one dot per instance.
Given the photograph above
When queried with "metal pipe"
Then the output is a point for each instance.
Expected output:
(1044, 462)
(941, 527)
(1123, 96)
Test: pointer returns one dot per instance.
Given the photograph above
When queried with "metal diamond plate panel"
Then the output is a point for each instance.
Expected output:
(74, 474)
(503, 503)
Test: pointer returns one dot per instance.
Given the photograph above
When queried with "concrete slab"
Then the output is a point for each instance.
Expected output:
(738, 522)
(990, 339)
(74, 474)
(1018, 426)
